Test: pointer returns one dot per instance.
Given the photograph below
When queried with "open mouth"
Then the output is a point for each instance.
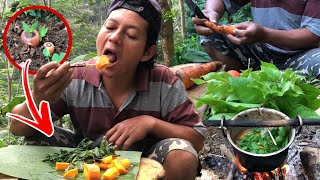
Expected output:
(111, 56)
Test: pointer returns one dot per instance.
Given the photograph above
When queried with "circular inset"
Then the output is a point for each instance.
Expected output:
(25, 24)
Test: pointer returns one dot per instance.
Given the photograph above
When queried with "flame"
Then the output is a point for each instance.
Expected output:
(275, 173)
(239, 166)
(261, 175)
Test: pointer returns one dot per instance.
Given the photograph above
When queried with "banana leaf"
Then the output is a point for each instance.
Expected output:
(26, 162)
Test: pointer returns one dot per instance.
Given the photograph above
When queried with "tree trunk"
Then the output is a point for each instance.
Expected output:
(9, 78)
(183, 19)
(166, 33)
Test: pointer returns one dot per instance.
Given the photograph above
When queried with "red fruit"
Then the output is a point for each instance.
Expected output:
(234, 73)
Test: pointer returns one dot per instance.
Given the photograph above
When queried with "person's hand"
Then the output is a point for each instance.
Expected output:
(129, 131)
(50, 81)
(200, 27)
(247, 33)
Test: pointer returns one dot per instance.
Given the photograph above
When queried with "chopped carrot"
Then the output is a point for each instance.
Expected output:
(110, 174)
(61, 166)
(71, 174)
(107, 159)
(223, 29)
(105, 166)
(102, 62)
(91, 171)
(117, 163)
(125, 163)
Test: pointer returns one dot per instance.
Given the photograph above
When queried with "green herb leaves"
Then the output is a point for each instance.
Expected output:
(83, 153)
(28, 29)
(284, 91)
(258, 140)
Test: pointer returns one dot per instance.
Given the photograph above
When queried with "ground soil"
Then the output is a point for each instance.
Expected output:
(20, 52)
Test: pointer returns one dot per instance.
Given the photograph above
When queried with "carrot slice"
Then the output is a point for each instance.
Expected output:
(110, 174)
(107, 159)
(117, 163)
(102, 62)
(61, 166)
(73, 173)
(91, 171)
(105, 166)
(125, 163)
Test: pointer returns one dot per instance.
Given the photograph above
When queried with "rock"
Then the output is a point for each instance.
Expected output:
(310, 158)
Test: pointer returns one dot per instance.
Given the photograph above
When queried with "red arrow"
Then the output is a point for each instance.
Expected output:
(42, 120)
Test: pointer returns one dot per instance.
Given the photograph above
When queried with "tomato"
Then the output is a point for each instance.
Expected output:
(234, 73)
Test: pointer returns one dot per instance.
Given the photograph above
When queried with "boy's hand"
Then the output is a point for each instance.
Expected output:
(50, 81)
(199, 23)
(247, 33)
(127, 132)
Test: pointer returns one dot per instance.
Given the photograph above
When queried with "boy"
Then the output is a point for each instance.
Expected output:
(132, 102)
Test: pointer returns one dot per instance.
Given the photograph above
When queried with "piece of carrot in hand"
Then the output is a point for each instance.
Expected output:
(223, 29)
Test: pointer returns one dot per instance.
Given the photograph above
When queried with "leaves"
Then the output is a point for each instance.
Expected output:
(15, 101)
(258, 140)
(83, 153)
(42, 32)
(284, 91)
(58, 58)
(46, 52)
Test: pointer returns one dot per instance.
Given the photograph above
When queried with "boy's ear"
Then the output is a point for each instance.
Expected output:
(149, 53)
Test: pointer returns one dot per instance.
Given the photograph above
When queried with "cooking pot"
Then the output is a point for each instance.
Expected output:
(259, 162)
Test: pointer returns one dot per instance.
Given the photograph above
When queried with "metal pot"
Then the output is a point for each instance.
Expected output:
(259, 162)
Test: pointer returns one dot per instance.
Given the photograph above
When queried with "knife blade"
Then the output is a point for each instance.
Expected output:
(195, 9)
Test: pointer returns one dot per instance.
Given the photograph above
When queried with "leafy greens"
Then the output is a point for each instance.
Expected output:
(285, 91)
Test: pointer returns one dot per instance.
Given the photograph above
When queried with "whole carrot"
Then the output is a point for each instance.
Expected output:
(196, 71)
(223, 29)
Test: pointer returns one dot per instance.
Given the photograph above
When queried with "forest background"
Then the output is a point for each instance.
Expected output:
(178, 43)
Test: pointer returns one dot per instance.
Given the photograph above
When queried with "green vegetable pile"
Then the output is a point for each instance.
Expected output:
(83, 153)
(284, 91)
(259, 141)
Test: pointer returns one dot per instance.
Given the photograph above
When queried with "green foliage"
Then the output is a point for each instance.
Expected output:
(259, 141)
(15, 101)
(85, 152)
(28, 29)
(42, 32)
(7, 139)
(284, 91)
(46, 52)
(58, 57)
(243, 15)
(35, 14)
(55, 57)
(181, 48)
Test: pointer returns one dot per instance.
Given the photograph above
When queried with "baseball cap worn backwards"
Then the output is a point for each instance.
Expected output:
(150, 10)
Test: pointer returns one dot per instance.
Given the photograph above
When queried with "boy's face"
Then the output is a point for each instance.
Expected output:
(122, 38)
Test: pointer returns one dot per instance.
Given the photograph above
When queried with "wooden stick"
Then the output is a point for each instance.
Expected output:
(274, 142)
(262, 123)
(81, 65)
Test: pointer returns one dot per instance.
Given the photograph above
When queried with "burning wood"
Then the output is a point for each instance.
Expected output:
(275, 174)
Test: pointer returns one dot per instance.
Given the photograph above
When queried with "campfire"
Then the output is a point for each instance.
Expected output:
(301, 163)
(298, 159)
(242, 173)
